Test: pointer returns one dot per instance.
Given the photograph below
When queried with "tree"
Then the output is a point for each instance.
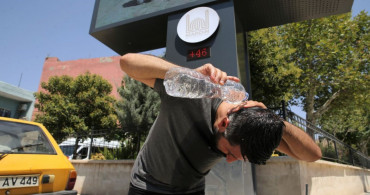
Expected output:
(322, 64)
(348, 117)
(75, 106)
(136, 112)
(315, 61)
(330, 54)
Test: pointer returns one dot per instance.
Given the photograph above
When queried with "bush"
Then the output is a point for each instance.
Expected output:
(97, 156)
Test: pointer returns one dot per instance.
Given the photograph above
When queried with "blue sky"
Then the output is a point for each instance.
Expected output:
(32, 30)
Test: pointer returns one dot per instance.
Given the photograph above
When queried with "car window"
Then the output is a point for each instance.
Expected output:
(23, 139)
(82, 154)
(67, 150)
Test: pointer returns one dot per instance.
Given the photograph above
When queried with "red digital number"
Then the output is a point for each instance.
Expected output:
(204, 52)
(199, 53)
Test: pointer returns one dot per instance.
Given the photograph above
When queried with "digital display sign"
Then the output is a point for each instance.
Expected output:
(199, 53)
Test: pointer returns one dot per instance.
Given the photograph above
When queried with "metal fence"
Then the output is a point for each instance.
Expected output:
(332, 148)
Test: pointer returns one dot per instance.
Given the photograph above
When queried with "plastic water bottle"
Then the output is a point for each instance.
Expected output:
(188, 83)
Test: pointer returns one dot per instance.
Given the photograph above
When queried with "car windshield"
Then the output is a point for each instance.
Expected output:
(67, 150)
(23, 139)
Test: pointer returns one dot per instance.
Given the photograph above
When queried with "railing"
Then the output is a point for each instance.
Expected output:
(332, 148)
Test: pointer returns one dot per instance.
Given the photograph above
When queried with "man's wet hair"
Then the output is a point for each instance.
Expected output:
(258, 131)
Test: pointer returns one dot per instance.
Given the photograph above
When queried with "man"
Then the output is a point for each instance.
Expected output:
(189, 136)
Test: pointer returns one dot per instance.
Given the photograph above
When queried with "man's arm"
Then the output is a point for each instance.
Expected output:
(146, 69)
(298, 144)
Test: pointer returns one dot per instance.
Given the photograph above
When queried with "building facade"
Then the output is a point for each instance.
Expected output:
(16, 102)
(107, 67)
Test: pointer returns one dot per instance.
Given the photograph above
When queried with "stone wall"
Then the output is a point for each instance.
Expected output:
(280, 176)
(102, 176)
(286, 176)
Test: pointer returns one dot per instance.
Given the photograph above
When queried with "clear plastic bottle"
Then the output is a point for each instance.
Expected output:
(188, 83)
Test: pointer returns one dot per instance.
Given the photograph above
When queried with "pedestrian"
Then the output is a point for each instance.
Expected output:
(189, 136)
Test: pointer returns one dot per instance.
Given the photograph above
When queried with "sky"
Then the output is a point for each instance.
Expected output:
(32, 30)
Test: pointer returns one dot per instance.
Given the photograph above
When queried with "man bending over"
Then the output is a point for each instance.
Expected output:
(189, 136)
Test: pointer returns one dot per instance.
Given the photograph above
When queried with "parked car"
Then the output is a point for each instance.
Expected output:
(86, 148)
(31, 161)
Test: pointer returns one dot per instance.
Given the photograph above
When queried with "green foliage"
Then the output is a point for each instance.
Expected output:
(273, 72)
(329, 52)
(348, 116)
(98, 156)
(136, 112)
(107, 153)
(128, 147)
(350, 123)
(328, 151)
(69, 105)
(335, 152)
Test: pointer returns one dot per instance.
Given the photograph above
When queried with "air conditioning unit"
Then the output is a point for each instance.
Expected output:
(23, 107)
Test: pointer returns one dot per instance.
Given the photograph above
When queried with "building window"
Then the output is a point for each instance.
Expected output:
(4, 112)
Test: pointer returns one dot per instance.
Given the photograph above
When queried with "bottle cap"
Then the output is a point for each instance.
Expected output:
(246, 97)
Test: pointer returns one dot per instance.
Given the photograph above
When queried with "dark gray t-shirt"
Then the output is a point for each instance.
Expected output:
(180, 148)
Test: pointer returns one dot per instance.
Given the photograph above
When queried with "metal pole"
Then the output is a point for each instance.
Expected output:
(248, 80)
(336, 151)
(351, 156)
(283, 109)
(20, 80)
(249, 90)
(306, 189)
(91, 141)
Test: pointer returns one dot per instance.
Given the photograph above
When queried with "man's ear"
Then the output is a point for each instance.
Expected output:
(222, 125)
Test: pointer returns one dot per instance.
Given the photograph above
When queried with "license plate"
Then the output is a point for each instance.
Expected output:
(19, 181)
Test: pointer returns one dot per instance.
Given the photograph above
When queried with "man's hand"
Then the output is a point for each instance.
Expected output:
(247, 104)
(216, 75)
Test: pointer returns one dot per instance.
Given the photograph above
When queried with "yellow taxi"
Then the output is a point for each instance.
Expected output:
(31, 161)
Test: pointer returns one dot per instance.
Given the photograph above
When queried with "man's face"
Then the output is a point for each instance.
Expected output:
(232, 153)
